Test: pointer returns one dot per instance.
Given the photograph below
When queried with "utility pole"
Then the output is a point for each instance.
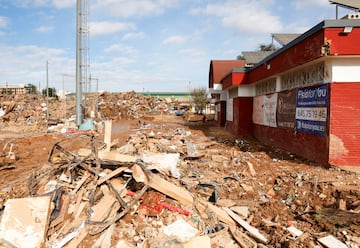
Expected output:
(64, 96)
(47, 90)
(78, 109)
(96, 92)
(82, 61)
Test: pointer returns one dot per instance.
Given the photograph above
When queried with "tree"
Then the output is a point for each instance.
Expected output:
(52, 92)
(30, 89)
(200, 98)
(269, 47)
(240, 57)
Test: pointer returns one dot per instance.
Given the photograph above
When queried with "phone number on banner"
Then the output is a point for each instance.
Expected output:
(311, 114)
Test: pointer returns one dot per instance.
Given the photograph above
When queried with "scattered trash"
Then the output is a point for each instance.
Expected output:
(181, 229)
(164, 180)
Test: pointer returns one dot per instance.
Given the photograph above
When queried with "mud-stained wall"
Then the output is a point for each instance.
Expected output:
(344, 140)
(242, 124)
(312, 147)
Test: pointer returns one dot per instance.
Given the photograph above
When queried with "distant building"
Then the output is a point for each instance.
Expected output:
(12, 89)
(302, 97)
(174, 96)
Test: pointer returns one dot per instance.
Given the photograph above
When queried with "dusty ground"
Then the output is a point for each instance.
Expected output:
(280, 189)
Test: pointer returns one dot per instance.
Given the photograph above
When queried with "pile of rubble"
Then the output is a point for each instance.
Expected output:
(173, 187)
(22, 109)
(30, 112)
(130, 105)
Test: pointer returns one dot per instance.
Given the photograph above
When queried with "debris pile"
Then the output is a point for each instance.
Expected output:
(30, 112)
(22, 109)
(175, 187)
(130, 105)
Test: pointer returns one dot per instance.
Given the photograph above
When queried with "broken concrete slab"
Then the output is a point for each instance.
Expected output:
(332, 242)
(198, 241)
(181, 229)
(163, 162)
(25, 221)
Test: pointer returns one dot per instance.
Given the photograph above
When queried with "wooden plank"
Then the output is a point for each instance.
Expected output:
(80, 209)
(104, 241)
(25, 221)
(102, 208)
(252, 230)
(78, 200)
(220, 213)
(75, 242)
(332, 242)
(243, 240)
(80, 183)
(251, 169)
(138, 174)
(110, 175)
(185, 198)
(107, 134)
(63, 211)
(109, 155)
(169, 189)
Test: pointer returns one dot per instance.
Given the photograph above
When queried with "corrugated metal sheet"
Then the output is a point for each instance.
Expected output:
(344, 140)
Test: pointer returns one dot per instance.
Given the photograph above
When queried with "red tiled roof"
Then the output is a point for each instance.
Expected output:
(219, 68)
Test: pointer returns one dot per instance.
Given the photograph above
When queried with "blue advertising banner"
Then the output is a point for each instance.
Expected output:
(311, 109)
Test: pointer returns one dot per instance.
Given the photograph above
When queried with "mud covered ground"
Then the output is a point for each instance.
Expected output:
(279, 189)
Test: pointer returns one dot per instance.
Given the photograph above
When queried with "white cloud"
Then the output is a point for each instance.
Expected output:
(244, 17)
(175, 39)
(122, 49)
(129, 8)
(192, 52)
(44, 29)
(3, 21)
(27, 64)
(132, 36)
(197, 56)
(26, 3)
(303, 4)
(231, 52)
(60, 4)
(103, 28)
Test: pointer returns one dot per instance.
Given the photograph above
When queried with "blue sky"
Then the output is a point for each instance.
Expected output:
(142, 45)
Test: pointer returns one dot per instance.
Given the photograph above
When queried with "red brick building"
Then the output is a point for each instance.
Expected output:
(303, 97)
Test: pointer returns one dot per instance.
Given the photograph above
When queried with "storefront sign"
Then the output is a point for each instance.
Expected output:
(311, 109)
